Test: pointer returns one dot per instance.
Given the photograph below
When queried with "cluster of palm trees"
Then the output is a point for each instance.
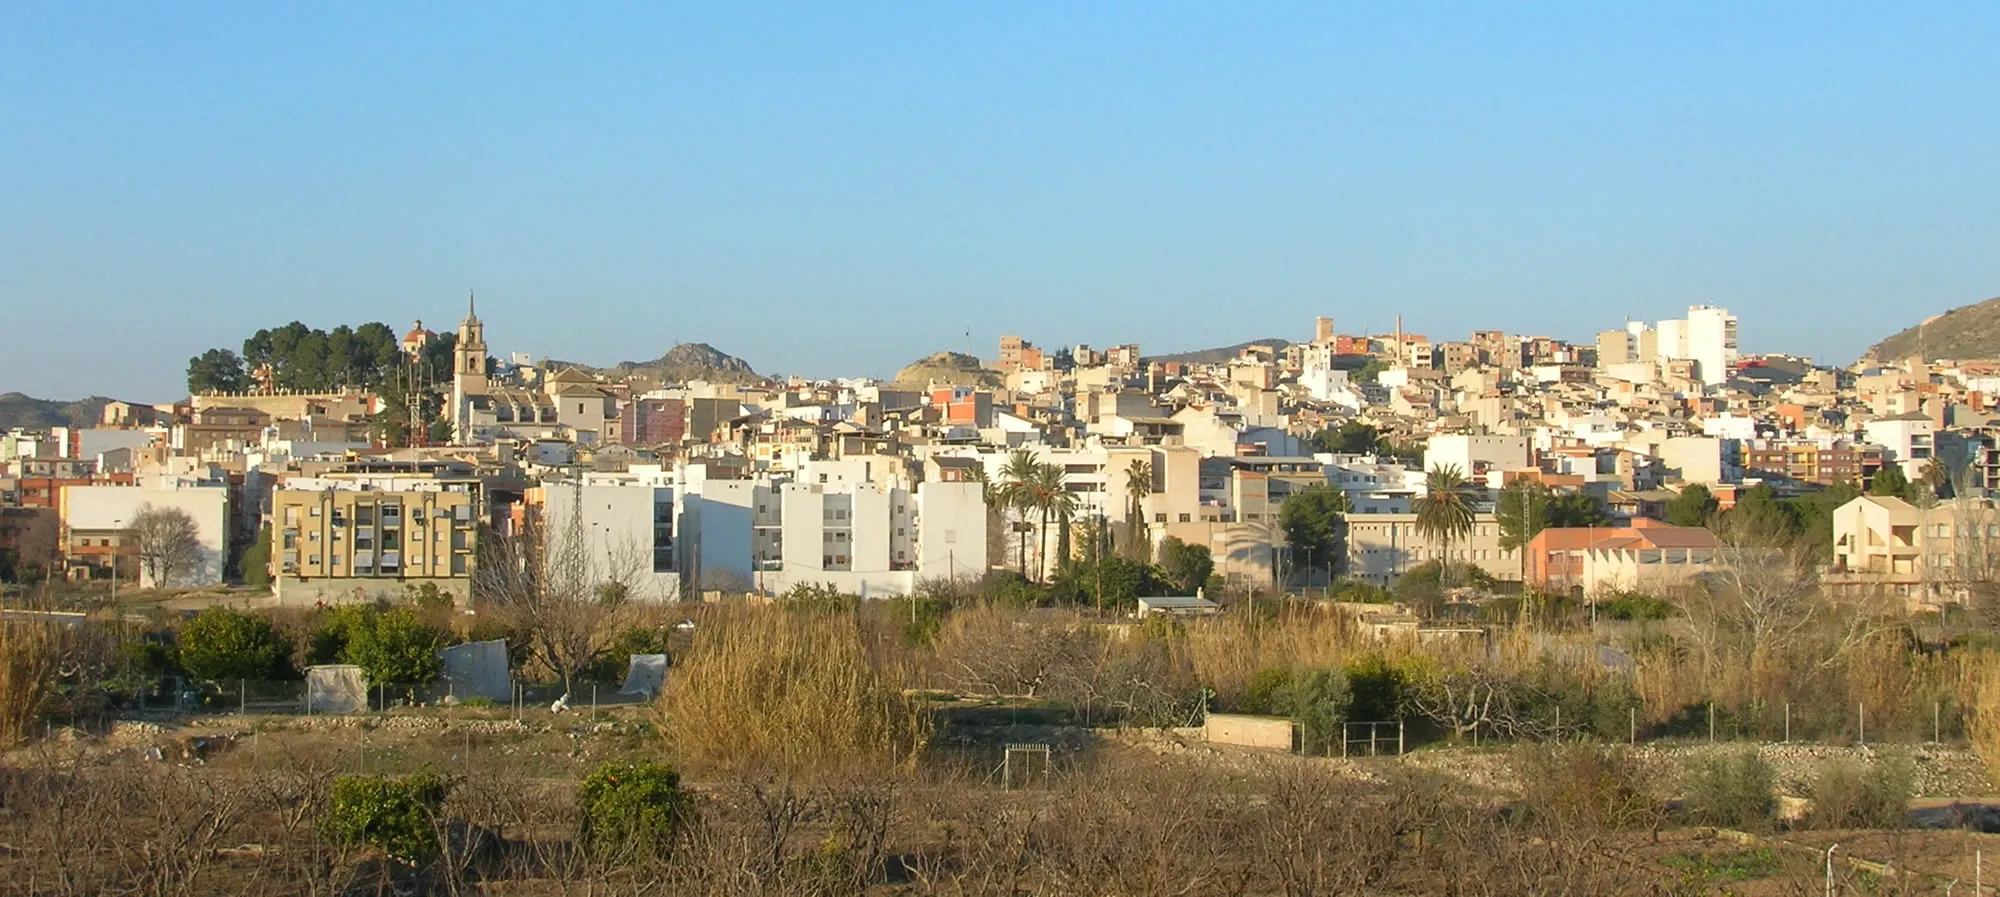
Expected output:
(1031, 488)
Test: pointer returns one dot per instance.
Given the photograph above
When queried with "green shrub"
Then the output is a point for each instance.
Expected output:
(1375, 689)
(393, 815)
(1733, 791)
(256, 561)
(1317, 701)
(631, 807)
(1847, 794)
(1261, 696)
(395, 646)
(1634, 606)
(221, 644)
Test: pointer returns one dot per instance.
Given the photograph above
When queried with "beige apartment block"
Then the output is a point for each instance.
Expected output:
(337, 546)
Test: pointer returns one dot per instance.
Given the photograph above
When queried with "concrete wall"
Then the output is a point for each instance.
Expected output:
(293, 591)
(1249, 731)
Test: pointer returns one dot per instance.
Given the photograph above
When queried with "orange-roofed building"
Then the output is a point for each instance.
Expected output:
(1643, 557)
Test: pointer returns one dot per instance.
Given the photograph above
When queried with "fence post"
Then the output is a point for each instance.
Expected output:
(1788, 722)
(242, 697)
(1711, 722)
(593, 702)
(1399, 737)
(1632, 721)
(1861, 722)
(1937, 722)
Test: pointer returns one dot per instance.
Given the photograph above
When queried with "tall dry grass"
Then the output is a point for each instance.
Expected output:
(765, 693)
(1979, 691)
(29, 656)
(1229, 652)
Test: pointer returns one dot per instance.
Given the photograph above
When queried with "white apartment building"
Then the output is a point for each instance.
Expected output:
(629, 529)
(1909, 439)
(105, 514)
(1707, 337)
(1476, 456)
(874, 537)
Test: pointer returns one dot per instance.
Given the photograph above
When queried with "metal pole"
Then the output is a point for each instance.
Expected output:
(1829, 868)
(1399, 737)
(242, 697)
(1711, 722)
(1937, 721)
(1861, 722)
(1788, 722)
(1632, 721)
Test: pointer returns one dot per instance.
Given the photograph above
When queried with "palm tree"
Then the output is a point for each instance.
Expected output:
(1444, 512)
(1138, 485)
(1016, 493)
(1053, 499)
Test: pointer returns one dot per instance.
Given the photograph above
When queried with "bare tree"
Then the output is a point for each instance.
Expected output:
(169, 544)
(1761, 601)
(565, 586)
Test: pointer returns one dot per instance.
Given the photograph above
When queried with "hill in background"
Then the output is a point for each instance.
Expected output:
(955, 368)
(1214, 356)
(687, 361)
(19, 410)
(1971, 331)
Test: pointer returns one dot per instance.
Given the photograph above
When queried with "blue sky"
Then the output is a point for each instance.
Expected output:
(838, 188)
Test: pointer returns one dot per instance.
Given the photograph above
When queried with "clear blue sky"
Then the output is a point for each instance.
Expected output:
(838, 188)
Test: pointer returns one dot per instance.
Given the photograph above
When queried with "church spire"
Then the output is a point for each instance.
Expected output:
(471, 307)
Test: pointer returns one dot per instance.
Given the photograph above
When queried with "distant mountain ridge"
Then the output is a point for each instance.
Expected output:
(28, 412)
(1214, 356)
(687, 361)
(1966, 332)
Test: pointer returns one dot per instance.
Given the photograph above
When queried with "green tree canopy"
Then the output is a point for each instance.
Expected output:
(1526, 507)
(216, 370)
(394, 646)
(1313, 520)
(1692, 507)
(1352, 437)
(221, 644)
(1891, 482)
(1185, 566)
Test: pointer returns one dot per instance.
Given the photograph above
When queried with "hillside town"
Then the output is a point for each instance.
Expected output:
(1616, 454)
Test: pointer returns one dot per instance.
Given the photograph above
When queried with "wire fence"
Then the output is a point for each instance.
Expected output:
(97, 706)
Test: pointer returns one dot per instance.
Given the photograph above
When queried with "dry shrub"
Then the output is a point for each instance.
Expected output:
(1979, 689)
(1229, 652)
(765, 693)
(1570, 787)
(30, 653)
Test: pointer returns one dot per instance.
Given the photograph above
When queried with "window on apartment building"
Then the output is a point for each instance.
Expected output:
(1185, 518)
(312, 512)
(291, 515)
(1159, 518)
